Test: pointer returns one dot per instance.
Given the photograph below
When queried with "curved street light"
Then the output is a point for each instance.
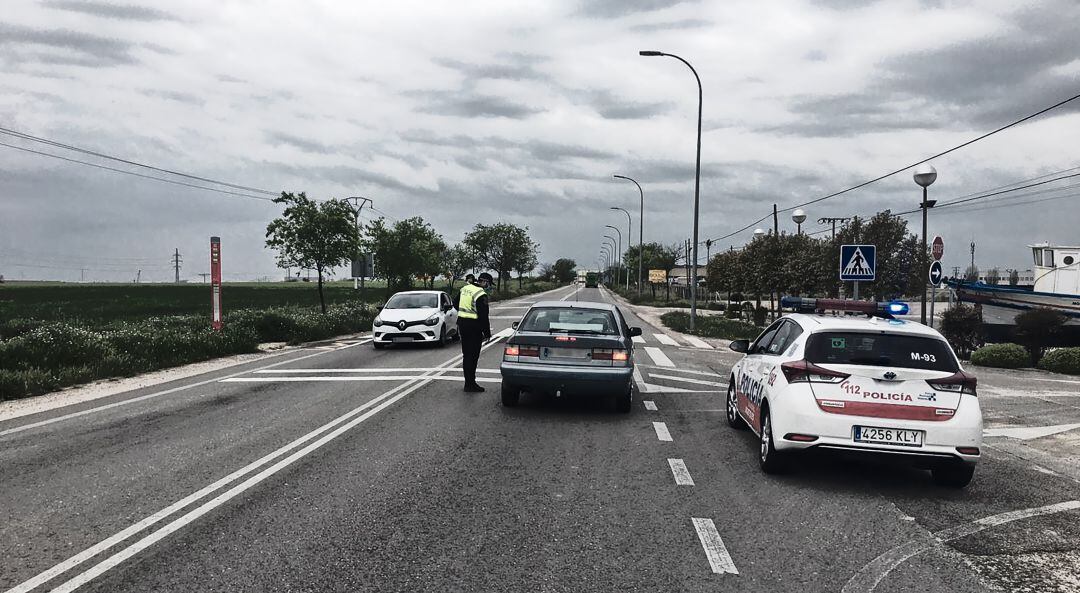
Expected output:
(618, 260)
(925, 175)
(697, 182)
(641, 232)
(629, 236)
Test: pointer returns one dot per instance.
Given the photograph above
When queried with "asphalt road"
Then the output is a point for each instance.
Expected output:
(350, 469)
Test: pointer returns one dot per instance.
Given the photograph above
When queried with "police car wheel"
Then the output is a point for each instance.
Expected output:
(770, 460)
(733, 418)
(624, 402)
(510, 395)
(953, 475)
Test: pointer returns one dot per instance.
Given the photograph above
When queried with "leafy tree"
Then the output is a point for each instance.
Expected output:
(405, 250)
(502, 247)
(1036, 329)
(993, 276)
(971, 274)
(456, 261)
(962, 327)
(564, 270)
(310, 234)
(1014, 277)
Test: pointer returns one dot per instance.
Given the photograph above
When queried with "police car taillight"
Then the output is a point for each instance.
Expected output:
(960, 382)
(883, 309)
(801, 371)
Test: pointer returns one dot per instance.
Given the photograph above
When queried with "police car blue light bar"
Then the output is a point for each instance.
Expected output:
(883, 309)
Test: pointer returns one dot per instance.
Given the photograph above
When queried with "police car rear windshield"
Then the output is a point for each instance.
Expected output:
(571, 321)
(887, 350)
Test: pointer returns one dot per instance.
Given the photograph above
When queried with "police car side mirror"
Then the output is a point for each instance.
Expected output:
(740, 345)
(635, 331)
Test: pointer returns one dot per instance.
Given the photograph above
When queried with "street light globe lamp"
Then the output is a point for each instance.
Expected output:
(759, 232)
(799, 216)
(924, 175)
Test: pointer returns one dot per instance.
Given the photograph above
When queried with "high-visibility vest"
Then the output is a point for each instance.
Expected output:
(467, 301)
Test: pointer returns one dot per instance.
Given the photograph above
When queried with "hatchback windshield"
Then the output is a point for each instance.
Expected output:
(890, 350)
(413, 301)
(588, 321)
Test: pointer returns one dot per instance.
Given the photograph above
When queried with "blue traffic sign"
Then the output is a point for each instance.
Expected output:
(858, 262)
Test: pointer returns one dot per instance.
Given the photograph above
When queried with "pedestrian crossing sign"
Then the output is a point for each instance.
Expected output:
(858, 262)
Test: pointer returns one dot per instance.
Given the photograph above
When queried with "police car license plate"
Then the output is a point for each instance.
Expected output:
(889, 436)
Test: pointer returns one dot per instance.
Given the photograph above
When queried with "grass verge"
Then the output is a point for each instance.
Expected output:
(711, 326)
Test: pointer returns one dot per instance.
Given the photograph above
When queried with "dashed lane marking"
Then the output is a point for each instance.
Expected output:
(682, 475)
(641, 384)
(371, 370)
(697, 342)
(638, 340)
(665, 339)
(650, 405)
(661, 431)
(715, 550)
(350, 378)
(658, 357)
(685, 380)
(869, 576)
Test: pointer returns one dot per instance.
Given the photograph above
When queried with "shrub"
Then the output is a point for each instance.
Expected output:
(1002, 356)
(710, 326)
(962, 327)
(53, 347)
(1036, 329)
(25, 382)
(760, 314)
(1062, 360)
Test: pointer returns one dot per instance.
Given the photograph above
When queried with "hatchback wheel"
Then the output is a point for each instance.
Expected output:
(953, 475)
(770, 460)
(443, 338)
(733, 419)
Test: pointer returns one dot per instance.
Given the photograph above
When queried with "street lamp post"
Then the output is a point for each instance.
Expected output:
(799, 216)
(618, 260)
(629, 237)
(612, 251)
(924, 175)
(641, 233)
(697, 183)
(606, 253)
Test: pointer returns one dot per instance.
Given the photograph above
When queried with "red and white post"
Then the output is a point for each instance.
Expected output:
(215, 282)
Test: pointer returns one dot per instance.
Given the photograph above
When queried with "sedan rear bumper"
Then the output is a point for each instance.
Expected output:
(568, 379)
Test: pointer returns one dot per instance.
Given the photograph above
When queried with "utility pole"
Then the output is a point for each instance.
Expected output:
(827, 220)
(973, 255)
(82, 274)
(204, 276)
(176, 260)
(358, 205)
(138, 276)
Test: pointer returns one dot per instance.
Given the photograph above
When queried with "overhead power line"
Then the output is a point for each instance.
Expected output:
(87, 151)
(905, 168)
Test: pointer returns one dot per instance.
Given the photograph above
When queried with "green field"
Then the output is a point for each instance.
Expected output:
(100, 304)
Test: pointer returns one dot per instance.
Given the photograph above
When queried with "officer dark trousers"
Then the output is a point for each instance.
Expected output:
(472, 338)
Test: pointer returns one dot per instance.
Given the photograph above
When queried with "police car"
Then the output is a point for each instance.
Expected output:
(870, 384)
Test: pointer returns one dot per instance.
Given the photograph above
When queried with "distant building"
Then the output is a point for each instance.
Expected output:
(1026, 280)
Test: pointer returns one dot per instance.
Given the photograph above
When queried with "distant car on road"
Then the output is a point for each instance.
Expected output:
(562, 348)
(415, 316)
(866, 385)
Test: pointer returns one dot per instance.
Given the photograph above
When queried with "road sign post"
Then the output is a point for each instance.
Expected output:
(858, 263)
(215, 282)
(935, 280)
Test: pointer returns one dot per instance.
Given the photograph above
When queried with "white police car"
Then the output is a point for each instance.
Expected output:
(869, 384)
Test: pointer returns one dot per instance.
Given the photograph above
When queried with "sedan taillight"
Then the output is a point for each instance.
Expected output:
(614, 355)
(960, 382)
(514, 353)
(802, 371)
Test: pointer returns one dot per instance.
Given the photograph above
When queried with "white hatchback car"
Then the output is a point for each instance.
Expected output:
(415, 316)
(860, 384)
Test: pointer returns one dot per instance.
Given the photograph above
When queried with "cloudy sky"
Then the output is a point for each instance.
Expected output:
(465, 112)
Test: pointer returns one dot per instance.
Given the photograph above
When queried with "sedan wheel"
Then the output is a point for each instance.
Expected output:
(510, 394)
(623, 403)
(733, 418)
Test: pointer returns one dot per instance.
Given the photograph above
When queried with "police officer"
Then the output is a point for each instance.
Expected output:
(473, 326)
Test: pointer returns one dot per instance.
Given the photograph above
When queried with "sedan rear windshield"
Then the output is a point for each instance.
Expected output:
(567, 320)
(889, 350)
(413, 301)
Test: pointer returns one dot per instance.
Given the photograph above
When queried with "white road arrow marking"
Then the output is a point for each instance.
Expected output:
(1026, 433)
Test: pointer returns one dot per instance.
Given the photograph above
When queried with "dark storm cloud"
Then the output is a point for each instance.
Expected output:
(980, 83)
(474, 105)
(672, 25)
(90, 50)
(610, 106)
(516, 70)
(550, 151)
(279, 138)
(844, 4)
(618, 8)
(111, 11)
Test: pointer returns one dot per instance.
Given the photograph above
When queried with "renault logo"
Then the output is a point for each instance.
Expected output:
(401, 325)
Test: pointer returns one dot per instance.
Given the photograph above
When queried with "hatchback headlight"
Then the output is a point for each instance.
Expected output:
(377, 322)
(433, 320)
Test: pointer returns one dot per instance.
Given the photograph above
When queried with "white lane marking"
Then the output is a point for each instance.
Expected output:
(650, 405)
(100, 547)
(868, 577)
(697, 342)
(574, 293)
(498, 308)
(157, 394)
(373, 370)
(685, 380)
(638, 339)
(682, 475)
(685, 371)
(349, 378)
(715, 550)
(641, 384)
(665, 339)
(658, 357)
(661, 431)
(1026, 433)
(512, 317)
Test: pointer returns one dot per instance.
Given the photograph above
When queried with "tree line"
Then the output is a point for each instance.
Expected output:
(322, 235)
